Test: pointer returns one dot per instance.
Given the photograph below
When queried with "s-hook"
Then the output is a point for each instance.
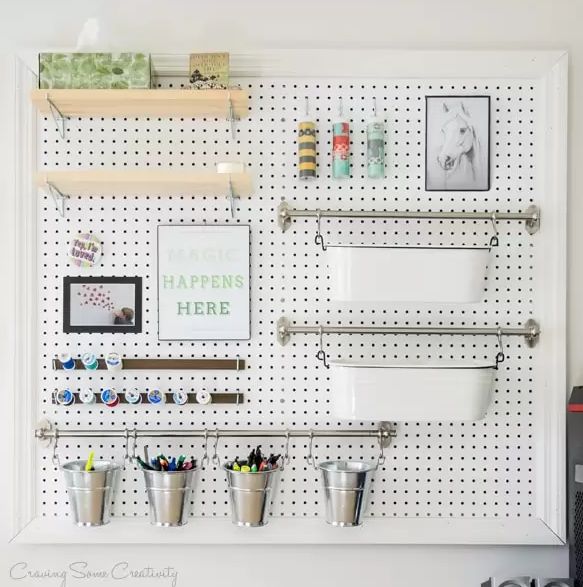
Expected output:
(205, 453)
(55, 457)
(286, 458)
(215, 458)
(381, 458)
(310, 457)
(319, 240)
(321, 354)
(494, 242)
(500, 355)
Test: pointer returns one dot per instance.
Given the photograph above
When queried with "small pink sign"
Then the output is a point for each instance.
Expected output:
(85, 250)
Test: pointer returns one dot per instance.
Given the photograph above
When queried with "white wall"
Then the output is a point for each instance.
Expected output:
(179, 26)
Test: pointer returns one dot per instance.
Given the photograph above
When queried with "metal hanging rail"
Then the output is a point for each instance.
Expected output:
(530, 331)
(531, 216)
(48, 432)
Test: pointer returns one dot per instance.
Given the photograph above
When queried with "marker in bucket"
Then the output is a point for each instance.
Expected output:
(110, 398)
(156, 397)
(133, 396)
(67, 361)
(89, 361)
(113, 361)
(86, 396)
(65, 397)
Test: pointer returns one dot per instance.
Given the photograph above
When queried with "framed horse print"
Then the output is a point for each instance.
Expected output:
(457, 143)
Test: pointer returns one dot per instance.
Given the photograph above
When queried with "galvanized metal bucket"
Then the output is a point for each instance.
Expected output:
(90, 492)
(346, 490)
(251, 495)
(169, 496)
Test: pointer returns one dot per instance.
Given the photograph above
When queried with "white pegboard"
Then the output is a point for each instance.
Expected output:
(483, 469)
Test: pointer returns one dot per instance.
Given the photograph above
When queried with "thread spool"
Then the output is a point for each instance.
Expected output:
(65, 397)
(340, 146)
(133, 396)
(307, 152)
(86, 396)
(375, 146)
(156, 397)
(180, 397)
(110, 398)
(89, 361)
(113, 362)
(67, 361)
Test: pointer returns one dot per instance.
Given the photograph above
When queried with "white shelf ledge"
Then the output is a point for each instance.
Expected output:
(221, 531)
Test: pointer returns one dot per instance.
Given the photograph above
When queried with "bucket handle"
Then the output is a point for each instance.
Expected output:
(311, 460)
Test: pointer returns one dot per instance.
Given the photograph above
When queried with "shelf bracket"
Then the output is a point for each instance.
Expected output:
(231, 116)
(59, 198)
(58, 117)
(232, 197)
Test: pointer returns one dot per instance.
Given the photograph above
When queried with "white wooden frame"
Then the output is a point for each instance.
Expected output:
(20, 413)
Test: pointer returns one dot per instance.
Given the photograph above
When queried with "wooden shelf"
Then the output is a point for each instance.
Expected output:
(166, 103)
(150, 364)
(156, 182)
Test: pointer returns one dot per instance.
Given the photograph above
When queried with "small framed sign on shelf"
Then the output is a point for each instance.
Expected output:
(203, 282)
(102, 304)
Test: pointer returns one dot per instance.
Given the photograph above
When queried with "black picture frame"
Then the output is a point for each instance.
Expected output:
(488, 185)
(134, 328)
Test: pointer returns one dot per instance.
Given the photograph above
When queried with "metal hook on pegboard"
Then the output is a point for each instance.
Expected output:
(55, 457)
(215, 458)
(319, 240)
(205, 454)
(321, 354)
(494, 242)
(310, 456)
(500, 355)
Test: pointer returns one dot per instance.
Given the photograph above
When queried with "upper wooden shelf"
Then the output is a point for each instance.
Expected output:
(185, 103)
(144, 182)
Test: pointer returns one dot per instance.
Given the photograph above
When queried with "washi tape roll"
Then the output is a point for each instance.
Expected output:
(341, 149)
(204, 397)
(67, 361)
(307, 153)
(375, 148)
(113, 362)
(87, 396)
(65, 397)
(180, 397)
(89, 361)
(156, 397)
(109, 397)
(133, 396)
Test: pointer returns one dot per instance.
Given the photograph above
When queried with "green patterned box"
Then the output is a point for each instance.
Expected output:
(94, 71)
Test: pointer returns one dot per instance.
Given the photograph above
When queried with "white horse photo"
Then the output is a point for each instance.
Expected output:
(457, 144)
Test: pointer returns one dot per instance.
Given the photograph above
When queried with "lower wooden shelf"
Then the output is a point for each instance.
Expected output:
(145, 182)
